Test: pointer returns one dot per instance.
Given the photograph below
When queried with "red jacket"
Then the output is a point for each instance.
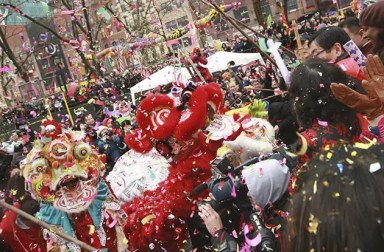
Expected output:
(20, 240)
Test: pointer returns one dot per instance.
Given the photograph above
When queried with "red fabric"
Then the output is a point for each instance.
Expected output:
(138, 141)
(148, 112)
(203, 71)
(83, 223)
(350, 67)
(320, 136)
(29, 240)
(364, 123)
(196, 118)
(169, 199)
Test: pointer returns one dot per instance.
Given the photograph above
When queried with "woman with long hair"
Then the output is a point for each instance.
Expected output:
(340, 202)
(323, 119)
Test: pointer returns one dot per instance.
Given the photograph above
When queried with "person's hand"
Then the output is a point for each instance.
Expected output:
(371, 104)
(211, 218)
(276, 129)
(374, 75)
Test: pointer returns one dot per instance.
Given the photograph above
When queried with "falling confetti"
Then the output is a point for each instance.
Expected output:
(313, 224)
(374, 167)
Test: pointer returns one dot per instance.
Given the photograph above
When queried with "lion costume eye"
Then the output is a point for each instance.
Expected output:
(40, 165)
(82, 150)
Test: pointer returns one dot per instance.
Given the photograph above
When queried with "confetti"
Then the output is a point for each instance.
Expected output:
(322, 123)
(329, 155)
(315, 187)
(146, 219)
(335, 195)
(374, 167)
(364, 146)
(349, 161)
(313, 224)
(91, 229)
(341, 167)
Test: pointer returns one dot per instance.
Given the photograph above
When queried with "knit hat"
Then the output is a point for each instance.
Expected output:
(373, 15)
(267, 181)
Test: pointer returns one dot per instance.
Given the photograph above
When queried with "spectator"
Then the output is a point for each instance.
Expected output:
(339, 204)
(352, 27)
(323, 118)
(371, 21)
(327, 43)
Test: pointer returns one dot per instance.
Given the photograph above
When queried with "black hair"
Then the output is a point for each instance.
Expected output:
(339, 205)
(310, 88)
(352, 23)
(328, 36)
(124, 123)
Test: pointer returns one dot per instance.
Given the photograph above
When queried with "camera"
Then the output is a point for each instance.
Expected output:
(221, 166)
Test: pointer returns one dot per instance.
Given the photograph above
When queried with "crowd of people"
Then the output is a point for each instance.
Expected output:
(319, 190)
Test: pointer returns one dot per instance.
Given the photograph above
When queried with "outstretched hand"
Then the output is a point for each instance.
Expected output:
(374, 75)
(371, 104)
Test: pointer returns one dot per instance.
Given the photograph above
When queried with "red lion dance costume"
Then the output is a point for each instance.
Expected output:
(156, 221)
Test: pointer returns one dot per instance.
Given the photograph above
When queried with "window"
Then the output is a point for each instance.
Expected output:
(242, 14)
(124, 7)
(186, 41)
(265, 8)
(166, 7)
(181, 22)
(221, 24)
(178, 23)
(171, 25)
(310, 3)
(292, 5)
(344, 3)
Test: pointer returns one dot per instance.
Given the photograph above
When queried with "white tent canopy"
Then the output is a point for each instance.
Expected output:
(218, 61)
(162, 77)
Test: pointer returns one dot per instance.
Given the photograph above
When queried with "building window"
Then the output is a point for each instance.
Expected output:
(310, 3)
(344, 3)
(171, 25)
(177, 23)
(186, 41)
(265, 8)
(183, 42)
(181, 22)
(166, 7)
(221, 24)
(242, 14)
(292, 5)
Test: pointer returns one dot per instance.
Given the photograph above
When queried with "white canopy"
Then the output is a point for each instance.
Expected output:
(162, 77)
(218, 61)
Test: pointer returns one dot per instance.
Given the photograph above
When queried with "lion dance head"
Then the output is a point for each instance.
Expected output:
(63, 169)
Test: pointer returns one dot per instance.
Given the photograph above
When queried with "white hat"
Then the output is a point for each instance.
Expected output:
(101, 129)
(267, 181)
